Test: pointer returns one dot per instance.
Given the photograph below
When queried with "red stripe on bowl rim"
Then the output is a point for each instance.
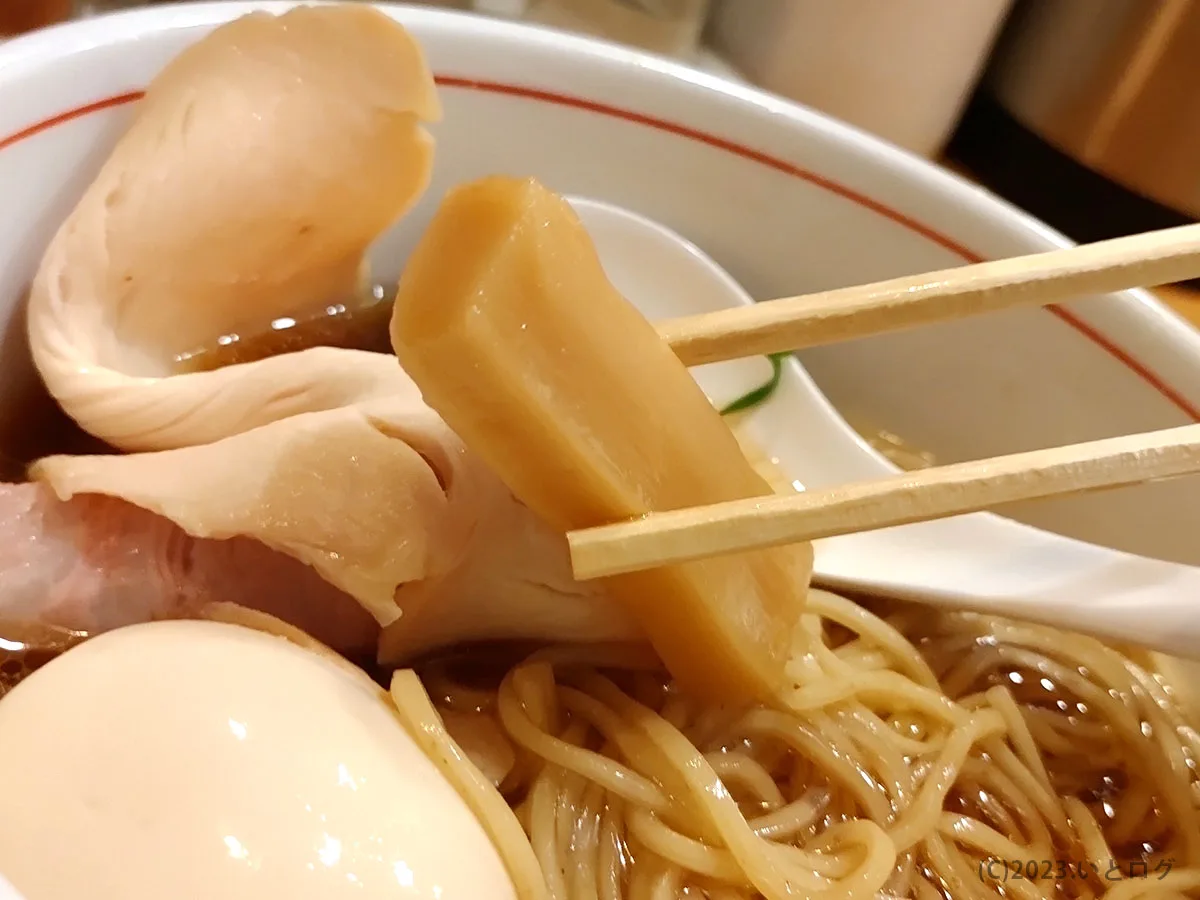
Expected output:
(540, 95)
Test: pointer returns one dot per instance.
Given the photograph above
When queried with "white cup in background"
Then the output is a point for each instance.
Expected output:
(901, 69)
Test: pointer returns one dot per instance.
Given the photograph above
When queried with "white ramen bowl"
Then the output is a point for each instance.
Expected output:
(786, 199)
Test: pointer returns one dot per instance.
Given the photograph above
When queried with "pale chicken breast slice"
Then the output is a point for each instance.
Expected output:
(384, 502)
(262, 163)
(260, 166)
(340, 490)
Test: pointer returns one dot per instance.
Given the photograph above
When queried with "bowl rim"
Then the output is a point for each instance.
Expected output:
(1133, 327)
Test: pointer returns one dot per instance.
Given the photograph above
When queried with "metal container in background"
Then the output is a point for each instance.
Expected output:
(902, 69)
(1115, 86)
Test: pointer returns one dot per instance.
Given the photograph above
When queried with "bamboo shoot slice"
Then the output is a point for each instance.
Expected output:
(505, 320)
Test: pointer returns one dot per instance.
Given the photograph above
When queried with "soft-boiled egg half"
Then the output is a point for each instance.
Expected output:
(208, 760)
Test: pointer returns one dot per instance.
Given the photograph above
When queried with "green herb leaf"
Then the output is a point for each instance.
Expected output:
(763, 392)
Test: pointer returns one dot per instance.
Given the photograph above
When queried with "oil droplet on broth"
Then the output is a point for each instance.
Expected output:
(360, 323)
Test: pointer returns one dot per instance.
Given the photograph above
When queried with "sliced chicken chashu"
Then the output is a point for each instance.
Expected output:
(261, 164)
(507, 323)
(259, 167)
(380, 499)
(339, 490)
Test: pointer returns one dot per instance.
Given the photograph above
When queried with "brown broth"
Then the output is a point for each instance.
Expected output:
(32, 424)
(27, 646)
(356, 325)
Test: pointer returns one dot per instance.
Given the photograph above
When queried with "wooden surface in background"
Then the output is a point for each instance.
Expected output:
(1184, 301)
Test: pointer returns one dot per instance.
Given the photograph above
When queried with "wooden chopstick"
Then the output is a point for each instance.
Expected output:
(792, 323)
(665, 538)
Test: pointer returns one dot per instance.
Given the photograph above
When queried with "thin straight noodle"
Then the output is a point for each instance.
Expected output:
(1132, 809)
(1091, 836)
(926, 891)
(920, 816)
(585, 845)
(852, 616)
(1032, 822)
(876, 861)
(1002, 700)
(615, 731)
(1094, 656)
(543, 804)
(967, 832)
(1170, 781)
(1175, 880)
(416, 713)
(860, 656)
(968, 670)
(886, 687)
(900, 884)
(1085, 725)
(610, 870)
(714, 802)
(687, 852)
(632, 746)
(709, 725)
(1164, 699)
(937, 854)
(708, 796)
(789, 821)
(801, 736)
(965, 878)
(677, 711)
(904, 744)
(984, 794)
(534, 688)
(827, 661)
(996, 818)
(734, 768)
(571, 787)
(668, 884)
(619, 779)
(891, 771)
(1047, 730)
(723, 893)
(562, 814)
(718, 864)
(915, 728)
(456, 696)
(644, 877)
(1117, 711)
(834, 735)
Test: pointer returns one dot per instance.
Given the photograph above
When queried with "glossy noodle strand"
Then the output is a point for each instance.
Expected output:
(915, 755)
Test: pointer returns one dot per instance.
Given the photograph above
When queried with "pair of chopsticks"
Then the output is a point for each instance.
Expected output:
(792, 323)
